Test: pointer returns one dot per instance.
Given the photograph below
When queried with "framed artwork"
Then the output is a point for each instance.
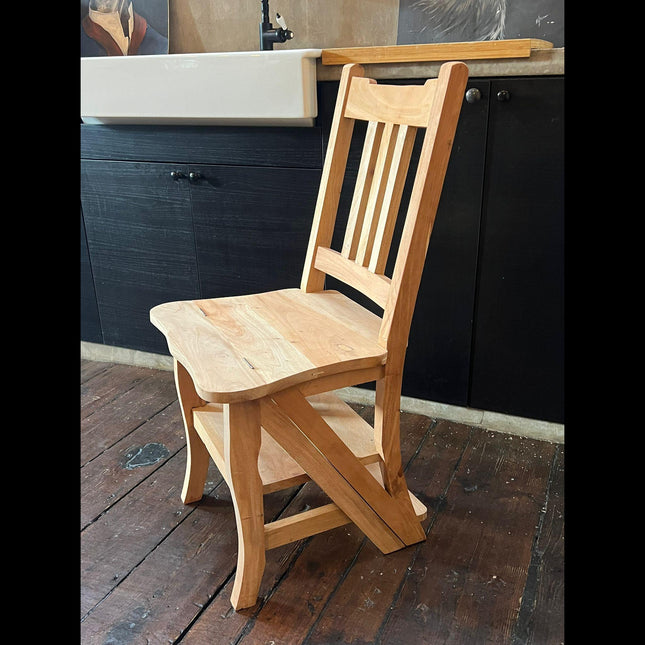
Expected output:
(435, 21)
(124, 27)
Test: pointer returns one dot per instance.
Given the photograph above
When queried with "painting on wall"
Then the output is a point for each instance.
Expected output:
(124, 27)
(438, 21)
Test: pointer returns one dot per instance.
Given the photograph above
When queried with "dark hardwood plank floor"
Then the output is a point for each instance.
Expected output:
(156, 571)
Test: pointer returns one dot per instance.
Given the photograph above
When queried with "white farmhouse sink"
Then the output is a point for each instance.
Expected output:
(221, 88)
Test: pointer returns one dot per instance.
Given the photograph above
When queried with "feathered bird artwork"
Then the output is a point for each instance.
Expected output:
(459, 20)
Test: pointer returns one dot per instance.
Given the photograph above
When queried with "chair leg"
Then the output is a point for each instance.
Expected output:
(197, 459)
(387, 437)
(241, 450)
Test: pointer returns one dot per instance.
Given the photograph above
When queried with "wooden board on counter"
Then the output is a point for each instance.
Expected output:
(513, 48)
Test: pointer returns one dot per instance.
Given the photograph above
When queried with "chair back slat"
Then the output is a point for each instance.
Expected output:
(392, 197)
(362, 189)
(376, 193)
(394, 114)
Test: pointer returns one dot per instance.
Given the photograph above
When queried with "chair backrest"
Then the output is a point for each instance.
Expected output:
(394, 114)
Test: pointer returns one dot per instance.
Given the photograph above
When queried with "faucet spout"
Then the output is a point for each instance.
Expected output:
(269, 34)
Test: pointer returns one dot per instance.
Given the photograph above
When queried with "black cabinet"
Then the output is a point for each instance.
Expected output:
(160, 231)
(518, 342)
(252, 227)
(141, 245)
(90, 323)
(488, 328)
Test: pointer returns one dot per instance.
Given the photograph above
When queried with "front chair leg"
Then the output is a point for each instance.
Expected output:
(197, 457)
(241, 449)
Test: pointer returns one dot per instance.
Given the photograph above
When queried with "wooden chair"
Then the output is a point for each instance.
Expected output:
(255, 373)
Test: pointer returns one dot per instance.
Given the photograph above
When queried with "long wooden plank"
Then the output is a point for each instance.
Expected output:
(322, 518)
(109, 413)
(368, 592)
(399, 518)
(471, 50)
(113, 545)
(112, 474)
(165, 590)
(479, 547)
(281, 428)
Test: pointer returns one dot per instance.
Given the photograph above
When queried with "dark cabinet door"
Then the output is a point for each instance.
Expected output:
(518, 348)
(141, 246)
(437, 364)
(90, 322)
(252, 227)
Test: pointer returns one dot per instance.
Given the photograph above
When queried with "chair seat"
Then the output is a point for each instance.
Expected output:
(245, 347)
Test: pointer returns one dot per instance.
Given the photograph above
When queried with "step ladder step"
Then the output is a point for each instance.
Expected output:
(277, 469)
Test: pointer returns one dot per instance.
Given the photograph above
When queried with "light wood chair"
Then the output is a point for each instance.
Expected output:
(255, 373)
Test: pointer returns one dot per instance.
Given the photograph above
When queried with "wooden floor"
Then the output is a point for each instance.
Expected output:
(155, 571)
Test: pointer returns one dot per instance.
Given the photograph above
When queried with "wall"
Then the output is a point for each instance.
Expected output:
(232, 25)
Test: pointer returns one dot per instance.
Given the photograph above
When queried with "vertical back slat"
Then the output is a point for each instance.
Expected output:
(362, 189)
(377, 193)
(392, 198)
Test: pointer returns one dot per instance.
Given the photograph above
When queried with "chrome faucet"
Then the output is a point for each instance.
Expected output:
(269, 35)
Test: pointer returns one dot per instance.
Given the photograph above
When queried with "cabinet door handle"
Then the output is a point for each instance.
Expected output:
(503, 95)
(473, 95)
(194, 176)
(177, 175)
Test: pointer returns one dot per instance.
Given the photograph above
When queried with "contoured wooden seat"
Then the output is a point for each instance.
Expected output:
(255, 374)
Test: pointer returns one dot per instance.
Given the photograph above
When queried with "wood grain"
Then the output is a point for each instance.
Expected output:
(276, 468)
(156, 570)
(241, 451)
(511, 48)
(331, 182)
(263, 342)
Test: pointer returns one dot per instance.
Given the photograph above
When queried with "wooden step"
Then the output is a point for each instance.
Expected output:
(277, 469)
(321, 519)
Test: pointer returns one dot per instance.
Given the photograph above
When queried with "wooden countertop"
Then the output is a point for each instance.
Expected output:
(474, 50)
(516, 57)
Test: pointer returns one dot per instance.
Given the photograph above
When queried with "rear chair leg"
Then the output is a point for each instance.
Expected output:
(387, 437)
(241, 450)
(197, 459)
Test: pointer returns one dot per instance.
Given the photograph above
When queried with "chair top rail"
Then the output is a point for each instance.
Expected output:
(401, 104)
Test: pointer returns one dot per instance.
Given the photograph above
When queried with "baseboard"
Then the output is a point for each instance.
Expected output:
(521, 426)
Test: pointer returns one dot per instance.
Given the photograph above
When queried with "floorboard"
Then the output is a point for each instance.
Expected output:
(154, 570)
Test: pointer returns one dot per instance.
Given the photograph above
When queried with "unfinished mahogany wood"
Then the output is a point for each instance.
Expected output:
(471, 50)
(254, 372)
